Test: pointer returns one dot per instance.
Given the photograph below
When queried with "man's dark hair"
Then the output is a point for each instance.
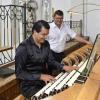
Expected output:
(39, 24)
(58, 12)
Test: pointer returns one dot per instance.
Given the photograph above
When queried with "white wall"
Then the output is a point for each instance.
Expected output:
(63, 5)
(91, 20)
(39, 11)
(77, 9)
(6, 2)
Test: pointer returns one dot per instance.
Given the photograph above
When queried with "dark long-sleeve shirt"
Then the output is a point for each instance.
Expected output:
(31, 61)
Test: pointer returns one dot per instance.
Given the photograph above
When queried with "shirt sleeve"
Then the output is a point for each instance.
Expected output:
(20, 61)
(70, 32)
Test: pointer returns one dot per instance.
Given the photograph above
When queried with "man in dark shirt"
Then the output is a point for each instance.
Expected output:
(31, 60)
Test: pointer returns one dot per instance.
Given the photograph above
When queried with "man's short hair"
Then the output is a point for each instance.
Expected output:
(58, 12)
(39, 24)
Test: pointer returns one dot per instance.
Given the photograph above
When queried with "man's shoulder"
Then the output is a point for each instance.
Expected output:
(65, 24)
(52, 24)
(46, 43)
(21, 48)
(24, 43)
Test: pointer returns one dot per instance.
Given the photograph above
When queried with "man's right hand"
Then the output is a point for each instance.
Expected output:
(70, 68)
(46, 78)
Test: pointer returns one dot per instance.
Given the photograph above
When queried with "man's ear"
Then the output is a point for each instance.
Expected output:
(34, 32)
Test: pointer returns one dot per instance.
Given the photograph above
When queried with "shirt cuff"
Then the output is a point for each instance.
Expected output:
(36, 76)
(61, 66)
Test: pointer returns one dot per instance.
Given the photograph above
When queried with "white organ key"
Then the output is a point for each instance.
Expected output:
(81, 63)
(68, 77)
(65, 80)
(58, 80)
(72, 80)
(55, 84)
(48, 85)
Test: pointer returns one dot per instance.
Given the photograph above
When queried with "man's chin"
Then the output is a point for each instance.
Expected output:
(42, 41)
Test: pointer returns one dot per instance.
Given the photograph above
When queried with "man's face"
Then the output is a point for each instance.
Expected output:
(58, 20)
(41, 36)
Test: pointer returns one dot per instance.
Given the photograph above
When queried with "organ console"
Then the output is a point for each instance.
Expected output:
(66, 79)
(9, 86)
(67, 82)
(84, 58)
(90, 90)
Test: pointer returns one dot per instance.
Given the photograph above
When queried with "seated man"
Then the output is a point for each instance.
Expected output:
(31, 60)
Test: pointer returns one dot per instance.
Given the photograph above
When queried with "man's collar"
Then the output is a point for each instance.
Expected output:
(54, 25)
(32, 40)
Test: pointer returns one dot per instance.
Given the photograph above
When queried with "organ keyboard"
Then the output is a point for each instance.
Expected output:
(66, 79)
(90, 90)
(84, 58)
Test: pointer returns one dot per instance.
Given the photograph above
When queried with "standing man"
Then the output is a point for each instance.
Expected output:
(58, 35)
(32, 58)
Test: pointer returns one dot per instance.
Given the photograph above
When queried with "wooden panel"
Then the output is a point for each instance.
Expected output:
(68, 94)
(20, 97)
(6, 82)
(5, 48)
(90, 90)
(9, 88)
(8, 64)
(95, 73)
(73, 45)
(98, 96)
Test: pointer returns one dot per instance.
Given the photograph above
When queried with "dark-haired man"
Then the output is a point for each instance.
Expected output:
(31, 60)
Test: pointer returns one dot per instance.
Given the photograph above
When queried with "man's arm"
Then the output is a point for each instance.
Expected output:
(80, 39)
(20, 64)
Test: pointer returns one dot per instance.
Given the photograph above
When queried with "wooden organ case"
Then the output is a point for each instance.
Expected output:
(81, 84)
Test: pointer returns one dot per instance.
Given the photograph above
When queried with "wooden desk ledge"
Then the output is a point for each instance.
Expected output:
(95, 73)
(5, 48)
(8, 82)
(94, 76)
(68, 94)
(8, 64)
(90, 90)
(98, 96)
(19, 97)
